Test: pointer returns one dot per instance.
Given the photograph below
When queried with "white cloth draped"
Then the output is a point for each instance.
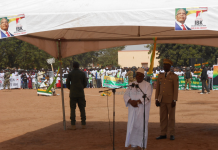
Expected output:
(134, 135)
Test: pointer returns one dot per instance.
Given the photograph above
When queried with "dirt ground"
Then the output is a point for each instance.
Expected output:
(31, 122)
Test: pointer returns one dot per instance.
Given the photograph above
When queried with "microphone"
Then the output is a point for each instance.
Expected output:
(136, 86)
(133, 84)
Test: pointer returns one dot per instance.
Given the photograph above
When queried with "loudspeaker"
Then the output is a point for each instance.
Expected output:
(192, 62)
(200, 61)
(65, 75)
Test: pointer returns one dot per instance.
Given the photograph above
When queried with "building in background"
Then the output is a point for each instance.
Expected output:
(136, 55)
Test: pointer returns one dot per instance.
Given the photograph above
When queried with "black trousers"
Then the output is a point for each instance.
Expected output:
(81, 104)
(204, 86)
(98, 83)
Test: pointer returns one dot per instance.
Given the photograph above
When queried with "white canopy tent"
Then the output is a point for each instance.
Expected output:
(80, 26)
(89, 25)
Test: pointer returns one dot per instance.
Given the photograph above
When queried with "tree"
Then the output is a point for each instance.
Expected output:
(109, 56)
(9, 49)
(31, 57)
(86, 58)
(20, 54)
(180, 53)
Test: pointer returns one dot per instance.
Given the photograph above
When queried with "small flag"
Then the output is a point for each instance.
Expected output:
(206, 64)
(197, 65)
(197, 72)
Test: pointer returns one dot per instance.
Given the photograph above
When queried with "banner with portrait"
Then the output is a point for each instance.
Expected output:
(112, 82)
(194, 18)
(12, 26)
(215, 77)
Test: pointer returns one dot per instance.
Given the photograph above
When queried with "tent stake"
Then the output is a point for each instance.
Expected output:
(62, 92)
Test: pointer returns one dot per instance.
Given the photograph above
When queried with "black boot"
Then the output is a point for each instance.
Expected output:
(161, 137)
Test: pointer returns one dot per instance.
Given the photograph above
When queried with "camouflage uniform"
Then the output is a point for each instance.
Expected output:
(130, 76)
(7, 80)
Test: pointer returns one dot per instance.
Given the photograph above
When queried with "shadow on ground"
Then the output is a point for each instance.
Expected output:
(97, 137)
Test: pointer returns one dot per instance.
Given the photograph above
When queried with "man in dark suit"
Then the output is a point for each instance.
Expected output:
(181, 16)
(4, 33)
(76, 82)
(203, 80)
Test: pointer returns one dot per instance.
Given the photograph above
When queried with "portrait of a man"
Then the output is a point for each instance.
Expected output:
(4, 28)
(181, 16)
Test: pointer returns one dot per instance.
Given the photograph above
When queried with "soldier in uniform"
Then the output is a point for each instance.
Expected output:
(188, 78)
(166, 96)
(130, 75)
(7, 79)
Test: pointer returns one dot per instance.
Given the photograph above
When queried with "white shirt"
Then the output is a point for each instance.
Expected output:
(2, 75)
(123, 74)
(98, 75)
(114, 72)
(162, 71)
(180, 73)
(33, 78)
(93, 72)
(157, 72)
(210, 74)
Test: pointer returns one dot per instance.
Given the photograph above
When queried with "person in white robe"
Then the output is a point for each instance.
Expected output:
(135, 103)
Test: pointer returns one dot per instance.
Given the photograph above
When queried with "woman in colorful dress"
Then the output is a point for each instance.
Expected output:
(30, 82)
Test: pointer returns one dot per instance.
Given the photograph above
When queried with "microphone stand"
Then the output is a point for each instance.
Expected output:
(114, 91)
(144, 96)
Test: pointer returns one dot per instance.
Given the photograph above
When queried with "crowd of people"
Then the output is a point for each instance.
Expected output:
(166, 94)
(33, 79)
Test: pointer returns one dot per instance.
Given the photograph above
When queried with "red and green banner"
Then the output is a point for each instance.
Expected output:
(205, 64)
(197, 65)
(197, 72)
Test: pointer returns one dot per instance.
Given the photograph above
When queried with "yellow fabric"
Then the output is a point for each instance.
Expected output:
(152, 59)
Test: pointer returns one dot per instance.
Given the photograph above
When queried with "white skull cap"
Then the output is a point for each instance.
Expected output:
(141, 70)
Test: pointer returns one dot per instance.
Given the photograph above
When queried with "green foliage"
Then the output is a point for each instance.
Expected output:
(85, 59)
(109, 56)
(19, 54)
(180, 53)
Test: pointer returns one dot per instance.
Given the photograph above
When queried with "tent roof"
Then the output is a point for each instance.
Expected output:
(45, 15)
(88, 25)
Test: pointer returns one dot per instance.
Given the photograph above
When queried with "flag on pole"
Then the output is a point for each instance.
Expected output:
(150, 72)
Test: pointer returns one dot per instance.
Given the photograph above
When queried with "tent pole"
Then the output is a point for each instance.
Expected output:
(62, 92)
